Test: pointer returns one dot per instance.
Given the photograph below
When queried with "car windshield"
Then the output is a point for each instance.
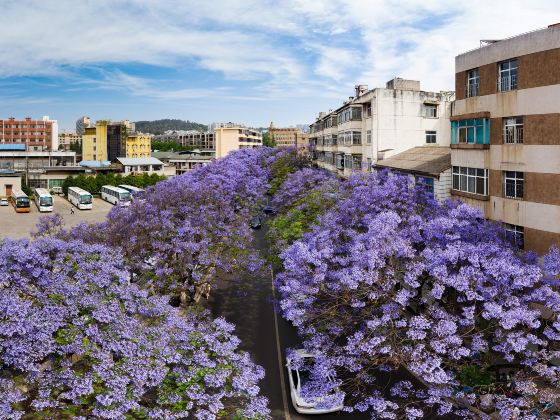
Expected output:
(46, 201)
(22, 202)
(85, 199)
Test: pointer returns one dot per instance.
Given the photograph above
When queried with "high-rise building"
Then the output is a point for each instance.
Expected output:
(376, 124)
(289, 136)
(505, 134)
(81, 125)
(35, 135)
(109, 140)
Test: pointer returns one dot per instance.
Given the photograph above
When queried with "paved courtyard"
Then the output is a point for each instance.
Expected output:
(20, 225)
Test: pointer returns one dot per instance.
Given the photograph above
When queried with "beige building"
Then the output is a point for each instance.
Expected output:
(109, 140)
(138, 145)
(9, 180)
(376, 124)
(506, 134)
(231, 136)
(283, 137)
(65, 140)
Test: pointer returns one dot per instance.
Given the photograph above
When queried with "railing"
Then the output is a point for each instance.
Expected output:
(507, 83)
(513, 190)
(472, 90)
(513, 134)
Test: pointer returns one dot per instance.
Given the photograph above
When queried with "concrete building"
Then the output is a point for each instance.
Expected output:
(290, 136)
(108, 140)
(202, 140)
(376, 124)
(9, 180)
(65, 140)
(81, 125)
(231, 136)
(183, 161)
(36, 135)
(506, 134)
(149, 165)
(428, 165)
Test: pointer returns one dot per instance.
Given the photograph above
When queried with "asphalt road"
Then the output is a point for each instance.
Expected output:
(249, 304)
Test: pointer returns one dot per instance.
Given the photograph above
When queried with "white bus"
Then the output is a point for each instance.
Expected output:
(115, 195)
(80, 198)
(134, 191)
(43, 199)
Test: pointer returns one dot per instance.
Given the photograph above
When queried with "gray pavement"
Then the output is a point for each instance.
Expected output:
(20, 225)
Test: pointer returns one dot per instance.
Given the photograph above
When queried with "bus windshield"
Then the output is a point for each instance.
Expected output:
(45, 201)
(22, 202)
(125, 196)
(85, 199)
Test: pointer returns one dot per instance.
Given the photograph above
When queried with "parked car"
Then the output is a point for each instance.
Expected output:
(299, 377)
(255, 222)
(57, 190)
(4, 202)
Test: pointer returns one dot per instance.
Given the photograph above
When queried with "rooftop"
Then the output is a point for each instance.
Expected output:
(139, 161)
(425, 160)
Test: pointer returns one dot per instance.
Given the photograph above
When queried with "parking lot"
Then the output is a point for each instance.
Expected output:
(20, 225)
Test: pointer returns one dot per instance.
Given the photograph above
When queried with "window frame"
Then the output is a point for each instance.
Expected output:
(515, 234)
(512, 130)
(431, 135)
(513, 184)
(470, 180)
(507, 77)
(473, 83)
(431, 107)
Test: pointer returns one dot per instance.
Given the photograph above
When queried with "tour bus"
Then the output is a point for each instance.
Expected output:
(80, 198)
(134, 191)
(43, 200)
(115, 195)
(20, 201)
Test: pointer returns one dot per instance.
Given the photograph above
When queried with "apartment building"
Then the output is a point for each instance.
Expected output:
(376, 124)
(290, 136)
(36, 135)
(202, 140)
(505, 134)
(232, 136)
(65, 140)
(81, 125)
(109, 140)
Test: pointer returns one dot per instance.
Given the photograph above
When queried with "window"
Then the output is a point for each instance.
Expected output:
(356, 138)
(340, 161)
(368, 137)
(513, 184)
(515, 234)
(369, 164)
(507, 76)
(428, 183)
(430, 111)
(513, 130)
(357, 162)
(430, 137)
(473, 81)
(471, 131)
(348, 161)
(470, 180)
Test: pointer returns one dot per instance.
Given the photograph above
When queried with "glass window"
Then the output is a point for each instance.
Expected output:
(430, 111)
(471, 180)
(515, 234)
(513, 130)
(428, 183)
(470, 131)
(369, 137)
(473, 81)
(513, 184)
(507, 75)
(430, 137)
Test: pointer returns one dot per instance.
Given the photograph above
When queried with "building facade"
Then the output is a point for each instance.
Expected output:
(36, 135)
(202, 140)
(231, 136)
(379, 123)
(65, 140)
(109, 140)
(81, 125)
(506, 134)
(290, 136)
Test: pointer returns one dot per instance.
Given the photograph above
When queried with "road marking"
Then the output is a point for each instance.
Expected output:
(278, 350)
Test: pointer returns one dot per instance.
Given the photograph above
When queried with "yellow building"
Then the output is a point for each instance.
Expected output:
(94, 142)
(232, 136)
(288, 136)
(138, 145)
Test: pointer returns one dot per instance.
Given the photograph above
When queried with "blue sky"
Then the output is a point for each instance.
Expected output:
(248, 61)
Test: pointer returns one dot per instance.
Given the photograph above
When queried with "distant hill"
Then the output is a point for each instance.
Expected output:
(160, 126)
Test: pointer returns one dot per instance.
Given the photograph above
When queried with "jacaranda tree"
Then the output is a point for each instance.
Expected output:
(77, 340)
(388, 280)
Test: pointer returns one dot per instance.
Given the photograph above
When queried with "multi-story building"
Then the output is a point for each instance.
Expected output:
(290, 136)
(379, 123)
(506, 134)
(183, 161)
(202, 140)
(81, 125)
(36, 135)
(65, 140)
(231, 136)
(108, 140)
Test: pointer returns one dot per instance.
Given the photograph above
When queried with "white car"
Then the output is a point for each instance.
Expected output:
(298, 377)
(4, 202)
